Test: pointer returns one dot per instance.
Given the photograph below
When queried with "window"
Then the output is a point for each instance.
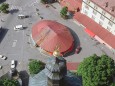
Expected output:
(110, 23)
(87, 7)
(85, 12)
(94, 12)
(108, 28)
(102, 17)
(103, 12)
(93, 17)
(88, 1)
(112, 18)
(100, 23)
(95, 7)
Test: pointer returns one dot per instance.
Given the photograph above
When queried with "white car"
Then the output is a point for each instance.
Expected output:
(21, 16)
(3, 57)
(18, 27)
(13, 64)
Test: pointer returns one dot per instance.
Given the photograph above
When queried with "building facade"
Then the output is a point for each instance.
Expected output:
(97, 17)
(102, 13)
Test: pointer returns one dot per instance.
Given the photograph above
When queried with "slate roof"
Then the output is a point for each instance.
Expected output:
(40, 79)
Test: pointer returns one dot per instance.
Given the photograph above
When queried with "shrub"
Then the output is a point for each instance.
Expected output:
(8, 82)
(35, 66)
(63, 12)
(44, 1)
(4, 7)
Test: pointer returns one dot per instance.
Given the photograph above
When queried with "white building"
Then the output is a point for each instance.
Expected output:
(102, 12)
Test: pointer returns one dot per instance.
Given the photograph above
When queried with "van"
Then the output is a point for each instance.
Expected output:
(21, 16)
(18, 27)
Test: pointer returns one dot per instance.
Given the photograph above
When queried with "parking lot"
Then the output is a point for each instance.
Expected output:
(15, 45)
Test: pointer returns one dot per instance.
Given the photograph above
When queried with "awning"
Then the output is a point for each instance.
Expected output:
(89, 32)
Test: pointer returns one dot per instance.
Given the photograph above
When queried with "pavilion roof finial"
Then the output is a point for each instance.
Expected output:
(56, 52)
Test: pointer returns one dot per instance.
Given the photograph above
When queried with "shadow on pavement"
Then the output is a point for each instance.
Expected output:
(76, 43)
(3, 32)
(24, 77)
(1, 1)
(13, 11)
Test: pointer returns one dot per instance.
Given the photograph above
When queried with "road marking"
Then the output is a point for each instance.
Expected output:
(14, 43)
(15, 7)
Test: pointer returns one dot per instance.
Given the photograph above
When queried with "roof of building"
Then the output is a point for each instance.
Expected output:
(54, 66)
(40, 79)
(50, 34)
(97, 29)
(107, 5)
(72, 4)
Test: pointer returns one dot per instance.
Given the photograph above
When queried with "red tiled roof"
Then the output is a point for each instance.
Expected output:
(50, 34)
(72, 4)
(72, 65)
(101, 3)
(105, 35)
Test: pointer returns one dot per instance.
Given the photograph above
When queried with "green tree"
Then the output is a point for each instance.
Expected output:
(44, 1)
(64, 11)
(4, 7)
(35, 66)
(7, 82)
(97, 71)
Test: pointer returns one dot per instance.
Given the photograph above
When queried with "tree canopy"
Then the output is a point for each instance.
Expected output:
(35, 66)
(97, 70)
(4, 7)
(8, 82)
(64, 11)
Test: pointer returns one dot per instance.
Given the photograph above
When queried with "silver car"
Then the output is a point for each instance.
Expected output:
(13, 64)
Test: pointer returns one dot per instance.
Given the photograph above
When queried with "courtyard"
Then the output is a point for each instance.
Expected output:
(16, 45)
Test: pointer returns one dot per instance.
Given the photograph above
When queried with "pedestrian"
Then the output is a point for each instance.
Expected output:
(2, 20)
(37, 9)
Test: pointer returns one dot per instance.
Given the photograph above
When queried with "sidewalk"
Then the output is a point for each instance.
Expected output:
(72, 66)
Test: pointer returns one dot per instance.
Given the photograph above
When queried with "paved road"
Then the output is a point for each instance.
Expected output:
(15, 43)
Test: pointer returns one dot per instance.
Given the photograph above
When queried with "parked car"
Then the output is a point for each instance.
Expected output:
(78, 49)
(13, 64)
(0, 28)
(21, 16)
(18, 27)
(3, 57)
(0, 67)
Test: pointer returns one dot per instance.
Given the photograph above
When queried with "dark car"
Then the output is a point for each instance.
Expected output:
(0, 27)
(78, 49)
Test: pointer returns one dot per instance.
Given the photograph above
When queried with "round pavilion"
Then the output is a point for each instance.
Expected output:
(50, 36)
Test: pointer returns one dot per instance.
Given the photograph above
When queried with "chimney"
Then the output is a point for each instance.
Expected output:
(106, 4)
(112, 9)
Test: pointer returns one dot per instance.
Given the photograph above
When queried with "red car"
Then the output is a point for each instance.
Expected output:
(77, 49)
